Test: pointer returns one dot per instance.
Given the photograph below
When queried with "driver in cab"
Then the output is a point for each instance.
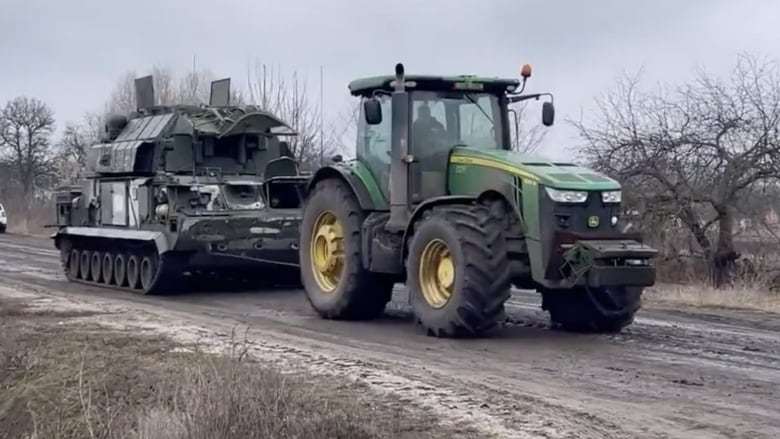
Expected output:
(426, 128)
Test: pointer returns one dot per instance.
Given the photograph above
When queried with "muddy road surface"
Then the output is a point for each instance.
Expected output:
(673, 374)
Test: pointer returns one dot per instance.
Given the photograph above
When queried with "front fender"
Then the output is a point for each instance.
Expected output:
(428, 204)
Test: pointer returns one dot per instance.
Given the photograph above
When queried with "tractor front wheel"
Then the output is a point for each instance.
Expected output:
(592, 310)
(336, 284)
(458, 272)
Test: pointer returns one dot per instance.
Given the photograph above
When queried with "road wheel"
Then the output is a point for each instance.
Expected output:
(457, 271)
(120, 270)
(84, 264)
(108, 268)
(592, 310)
(147, 271)
(132, 271)
(73, 264)
(95, 265)
(336, 284)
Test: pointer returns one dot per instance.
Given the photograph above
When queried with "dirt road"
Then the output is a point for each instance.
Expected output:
(673, 374)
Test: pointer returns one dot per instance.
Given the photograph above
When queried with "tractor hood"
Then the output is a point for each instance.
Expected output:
(559, 175)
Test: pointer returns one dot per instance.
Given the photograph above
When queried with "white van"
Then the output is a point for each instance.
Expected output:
(3, 219)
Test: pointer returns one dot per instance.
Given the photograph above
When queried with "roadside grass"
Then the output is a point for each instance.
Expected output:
(737, 296)
(684, 282)
(62, 377)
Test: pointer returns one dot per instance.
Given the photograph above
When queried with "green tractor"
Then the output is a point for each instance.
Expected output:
(436, 199)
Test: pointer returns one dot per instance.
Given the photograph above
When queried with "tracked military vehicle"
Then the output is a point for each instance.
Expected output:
(436, 198)
(182, 192)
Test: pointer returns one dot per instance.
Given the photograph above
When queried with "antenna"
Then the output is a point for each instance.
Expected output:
(144, 92)
(220, 93)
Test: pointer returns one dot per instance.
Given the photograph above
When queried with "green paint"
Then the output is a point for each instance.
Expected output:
(531, 209)
(364, 175)
(474, 180)
(558, 175)
(521, 178)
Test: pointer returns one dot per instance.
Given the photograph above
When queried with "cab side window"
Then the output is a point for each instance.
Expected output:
(374, 142)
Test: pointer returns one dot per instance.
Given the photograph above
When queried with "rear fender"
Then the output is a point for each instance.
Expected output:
(355, 184)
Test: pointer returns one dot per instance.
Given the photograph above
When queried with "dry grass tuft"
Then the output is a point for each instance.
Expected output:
(61, 380)
(737, 296)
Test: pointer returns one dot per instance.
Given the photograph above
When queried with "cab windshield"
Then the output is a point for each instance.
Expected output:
(456, 118)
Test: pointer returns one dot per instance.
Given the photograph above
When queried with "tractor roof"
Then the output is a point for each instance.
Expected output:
(365, 86)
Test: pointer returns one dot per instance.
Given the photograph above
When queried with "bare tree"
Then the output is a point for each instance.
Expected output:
(690, 153)
(345, 128)
(74, 146)
(290, 100)
(527, 136)
(193, 88)
(26, 126)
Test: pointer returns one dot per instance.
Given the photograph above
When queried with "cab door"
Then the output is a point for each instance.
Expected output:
(430, 143)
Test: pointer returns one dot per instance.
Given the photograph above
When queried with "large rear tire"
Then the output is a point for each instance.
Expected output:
(458, 272)
(336, 284)
(592, 310)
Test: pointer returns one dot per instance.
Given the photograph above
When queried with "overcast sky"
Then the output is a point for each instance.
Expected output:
(70, 53)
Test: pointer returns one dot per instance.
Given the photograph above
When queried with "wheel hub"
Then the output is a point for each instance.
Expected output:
(436, 273)
(327, 253)
(446, 272)
(327, 244)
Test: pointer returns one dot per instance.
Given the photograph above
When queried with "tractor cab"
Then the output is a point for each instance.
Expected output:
(433, 116)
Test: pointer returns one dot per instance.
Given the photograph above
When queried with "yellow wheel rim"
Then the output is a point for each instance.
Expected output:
(436, 273)
(326, 250)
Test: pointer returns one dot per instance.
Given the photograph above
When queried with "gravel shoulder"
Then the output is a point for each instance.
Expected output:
(676, 373)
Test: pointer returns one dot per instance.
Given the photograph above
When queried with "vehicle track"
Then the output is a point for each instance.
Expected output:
(672, 374)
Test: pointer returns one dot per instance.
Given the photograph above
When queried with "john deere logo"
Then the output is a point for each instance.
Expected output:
(593, 221)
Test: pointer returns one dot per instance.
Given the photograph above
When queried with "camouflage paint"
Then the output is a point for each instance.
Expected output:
(178, 148)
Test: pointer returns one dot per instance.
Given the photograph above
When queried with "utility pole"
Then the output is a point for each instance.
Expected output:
(322, 120)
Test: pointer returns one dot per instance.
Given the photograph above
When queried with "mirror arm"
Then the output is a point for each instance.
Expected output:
(518, 98)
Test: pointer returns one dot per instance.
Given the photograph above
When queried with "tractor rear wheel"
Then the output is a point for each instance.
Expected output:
(592, 310)
(336, 284)
(458, 271)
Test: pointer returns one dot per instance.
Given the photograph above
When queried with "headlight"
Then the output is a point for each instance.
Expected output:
(612, 196)
(566, 196)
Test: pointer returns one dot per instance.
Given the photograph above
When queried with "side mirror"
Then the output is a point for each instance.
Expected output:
(548, 114)
(372, 111)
